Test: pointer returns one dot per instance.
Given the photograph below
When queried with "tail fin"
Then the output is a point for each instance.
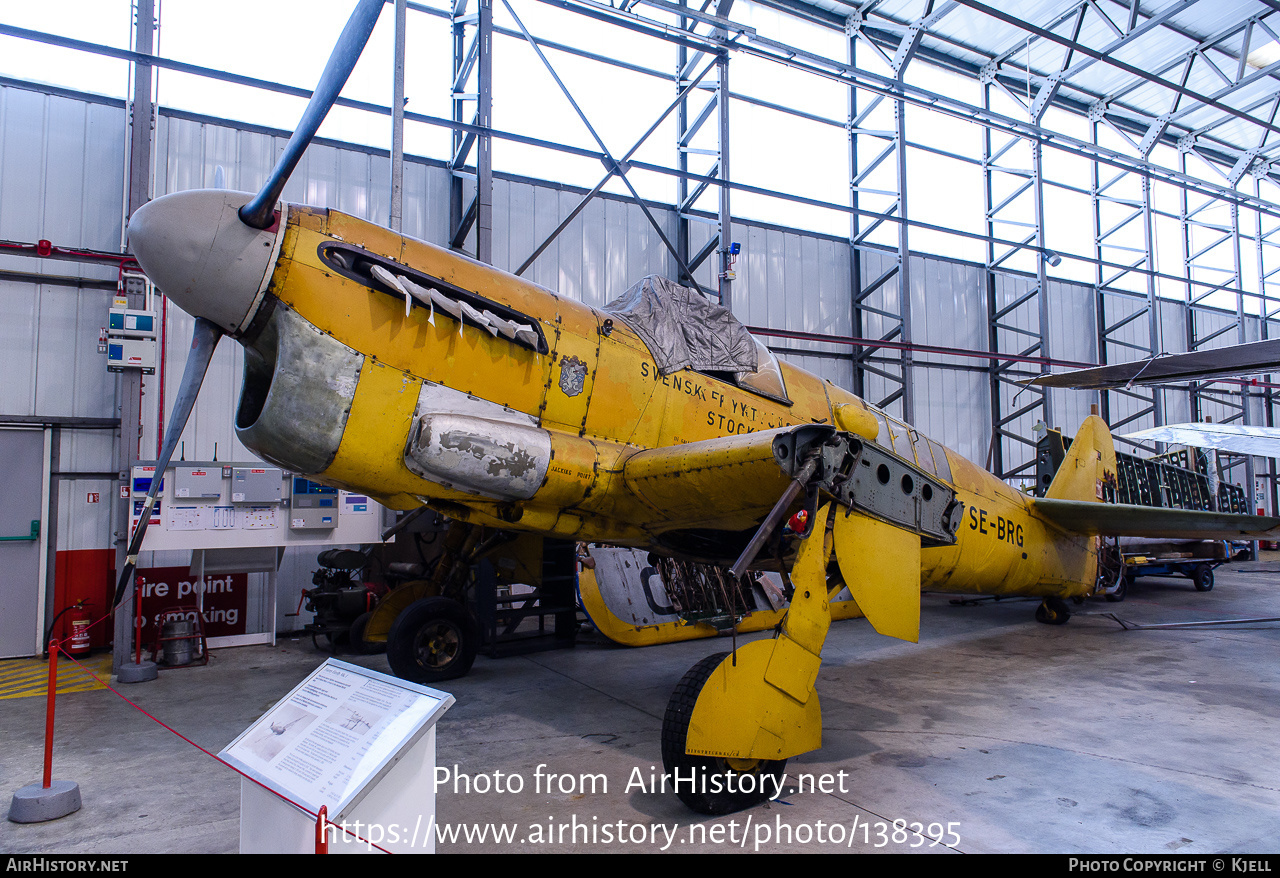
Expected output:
(1090, 463)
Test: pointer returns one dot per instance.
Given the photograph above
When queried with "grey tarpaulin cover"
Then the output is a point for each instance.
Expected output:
(683, 329)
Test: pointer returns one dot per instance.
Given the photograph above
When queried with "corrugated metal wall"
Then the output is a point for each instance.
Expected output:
(62, 180)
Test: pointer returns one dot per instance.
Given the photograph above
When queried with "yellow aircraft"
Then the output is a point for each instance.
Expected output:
(408, 372)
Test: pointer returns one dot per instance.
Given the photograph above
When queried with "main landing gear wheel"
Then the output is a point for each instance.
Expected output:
(1202, 576)
(432, 640)
(718, 784)
(1053, 611)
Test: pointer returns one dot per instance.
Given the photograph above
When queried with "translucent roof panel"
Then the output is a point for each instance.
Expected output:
(1203, 71)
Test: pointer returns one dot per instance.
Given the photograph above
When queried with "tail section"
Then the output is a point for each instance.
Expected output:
(1089, 465)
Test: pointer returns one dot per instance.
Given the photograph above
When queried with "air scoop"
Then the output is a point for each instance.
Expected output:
(196, 249)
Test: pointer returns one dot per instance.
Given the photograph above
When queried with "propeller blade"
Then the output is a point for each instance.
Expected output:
(258, 213)
(203, 344)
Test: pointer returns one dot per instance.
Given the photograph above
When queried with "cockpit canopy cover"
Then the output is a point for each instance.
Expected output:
(684, 330)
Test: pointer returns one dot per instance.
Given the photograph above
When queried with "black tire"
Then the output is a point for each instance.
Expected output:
(356, 637)
(1053, 611)
(432, 640)
(1115, 597)
(710, 769)
(1202, 576)
(333, 642)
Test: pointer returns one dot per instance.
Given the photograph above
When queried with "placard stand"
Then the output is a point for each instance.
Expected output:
(360, 743)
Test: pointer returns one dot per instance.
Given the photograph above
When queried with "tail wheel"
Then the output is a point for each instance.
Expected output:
(432, 640)
(1126, 580)
(1203, 577)
(709, 784)
(1053, 611)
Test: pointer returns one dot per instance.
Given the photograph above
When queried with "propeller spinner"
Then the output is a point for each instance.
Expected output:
(210, 251)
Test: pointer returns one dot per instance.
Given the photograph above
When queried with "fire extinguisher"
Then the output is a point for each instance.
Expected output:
(79, 623)
(79, 620)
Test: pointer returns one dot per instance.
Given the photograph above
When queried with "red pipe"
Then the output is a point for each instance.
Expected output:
(45, 250)
(137, 622)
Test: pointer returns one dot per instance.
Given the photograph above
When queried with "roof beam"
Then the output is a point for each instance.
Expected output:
(911, 40)
(1124, 39)
(1113, 62)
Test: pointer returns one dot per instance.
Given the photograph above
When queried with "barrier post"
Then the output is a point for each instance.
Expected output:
(49, 799)
(54, 646)
(138, 671)
(322, 820)
(137, 622)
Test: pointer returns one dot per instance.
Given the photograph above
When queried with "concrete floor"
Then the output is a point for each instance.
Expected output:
(1001, 734)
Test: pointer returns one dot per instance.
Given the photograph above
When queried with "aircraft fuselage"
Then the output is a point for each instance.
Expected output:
(346, 384)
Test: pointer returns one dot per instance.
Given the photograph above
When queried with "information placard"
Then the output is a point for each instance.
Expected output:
(335, 735)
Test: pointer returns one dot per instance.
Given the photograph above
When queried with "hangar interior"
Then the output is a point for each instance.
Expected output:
(925, 202)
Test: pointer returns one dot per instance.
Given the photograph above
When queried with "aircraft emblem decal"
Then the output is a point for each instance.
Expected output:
(573, 374)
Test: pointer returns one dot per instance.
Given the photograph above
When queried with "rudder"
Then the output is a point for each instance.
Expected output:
(1089, 465)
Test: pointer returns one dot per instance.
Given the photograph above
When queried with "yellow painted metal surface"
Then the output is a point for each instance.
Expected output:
(628, 634)
(729, 482)
(856, 418)
(598, 394)
(738, 715)
(1090, 463)
(880, 564)
(384, 614)
(377, 428)
(759, 703)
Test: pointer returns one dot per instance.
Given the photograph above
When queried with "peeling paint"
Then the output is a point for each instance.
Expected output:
(501, 459)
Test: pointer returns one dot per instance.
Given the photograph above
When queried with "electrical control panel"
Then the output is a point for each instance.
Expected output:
(312, 505)
(131, 353)
(256, 484)
(216, 504)
(197, 482)
(129, 323)
(131, 340)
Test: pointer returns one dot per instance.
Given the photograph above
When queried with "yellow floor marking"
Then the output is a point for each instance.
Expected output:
(26, 678)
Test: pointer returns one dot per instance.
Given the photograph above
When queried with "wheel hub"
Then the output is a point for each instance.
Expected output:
(438, 645)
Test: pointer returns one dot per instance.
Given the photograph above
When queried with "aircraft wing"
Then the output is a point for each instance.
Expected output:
(1235, 438)
(1253, 358)
(1122, 520)
(729, 483)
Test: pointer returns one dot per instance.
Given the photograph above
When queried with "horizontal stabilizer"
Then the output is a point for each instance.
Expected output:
(1122, 520)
